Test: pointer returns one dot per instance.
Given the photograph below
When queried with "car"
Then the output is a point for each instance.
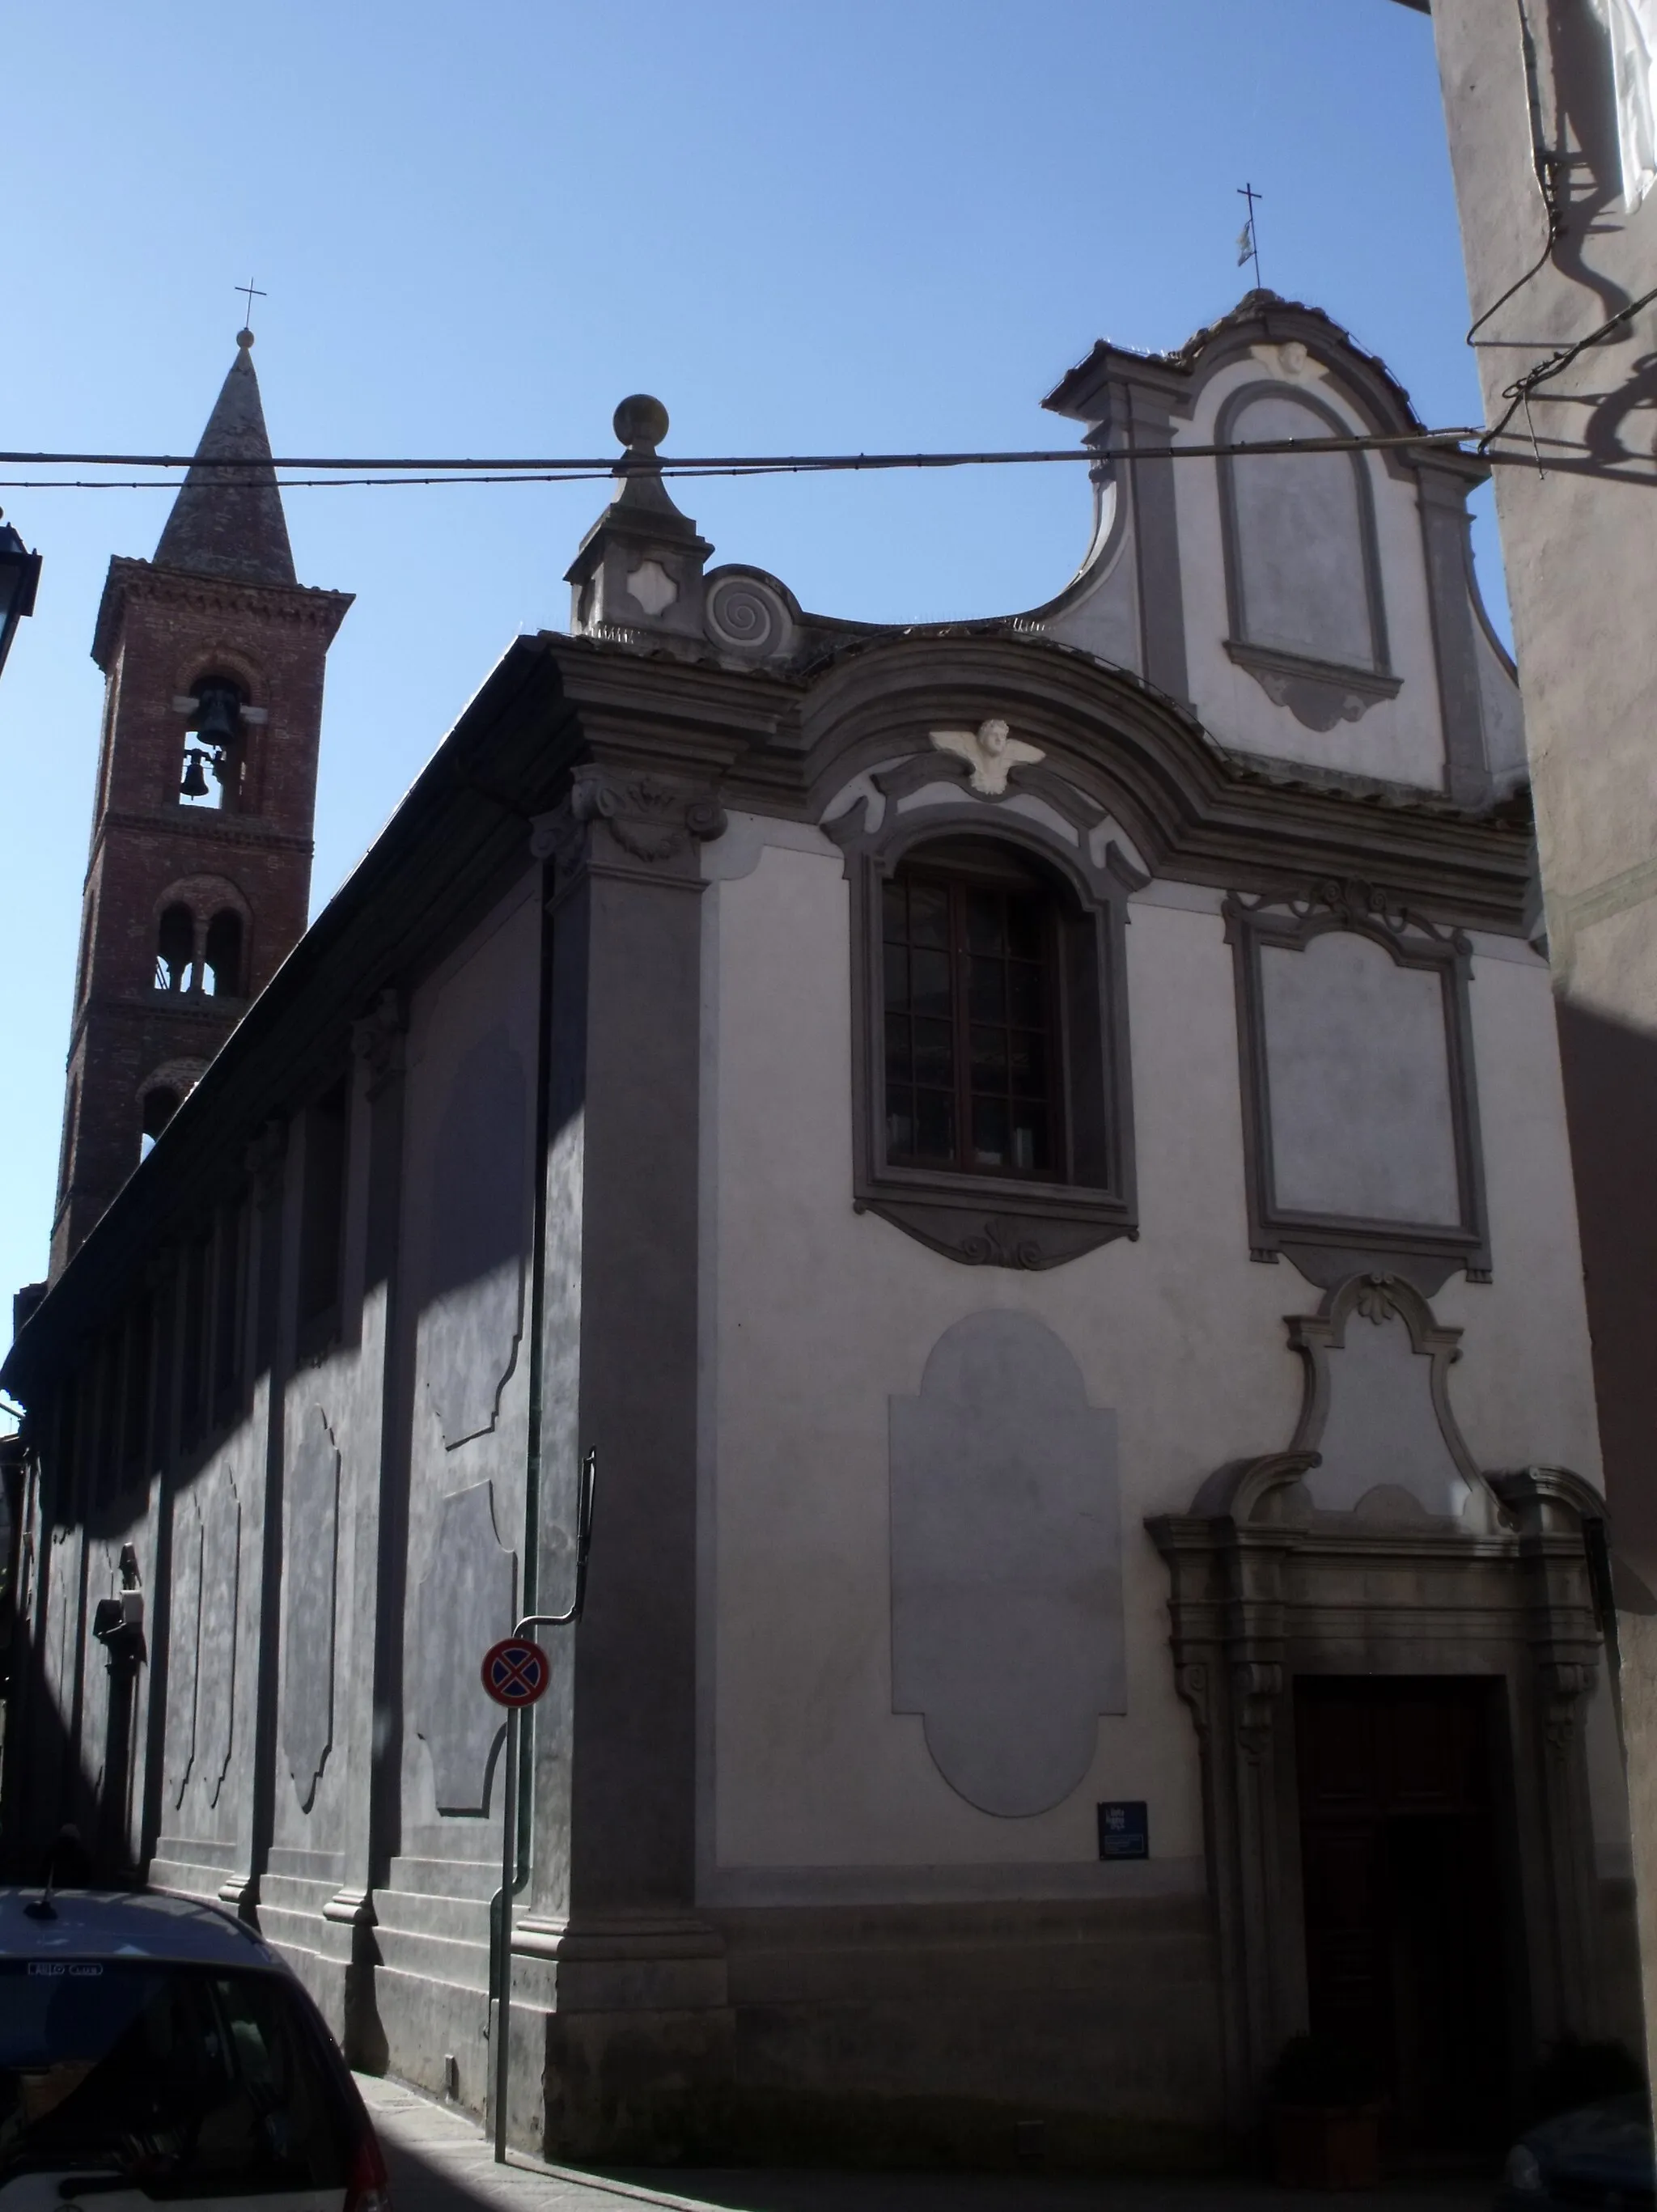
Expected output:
(1598, 2155)
(155, 2049)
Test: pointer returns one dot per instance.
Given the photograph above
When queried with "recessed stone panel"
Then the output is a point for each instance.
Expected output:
(477, 1220)
(311, 1577)
(1006, 1564)
(220, 1622)
(465, 1603)
(1358, 1075)
(184, 1648)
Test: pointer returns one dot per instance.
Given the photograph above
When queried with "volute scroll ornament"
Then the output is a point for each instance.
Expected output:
(747, 613)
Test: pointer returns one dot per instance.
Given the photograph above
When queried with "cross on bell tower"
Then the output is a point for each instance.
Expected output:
(199, 875)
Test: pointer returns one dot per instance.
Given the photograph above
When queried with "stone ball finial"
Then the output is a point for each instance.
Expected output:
(640, 421)
(244, 339)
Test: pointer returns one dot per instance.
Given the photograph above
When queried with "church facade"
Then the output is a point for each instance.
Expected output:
(1031, 1152)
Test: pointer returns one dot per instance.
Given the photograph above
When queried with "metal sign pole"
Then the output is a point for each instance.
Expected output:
(509, 1795)
(503, 1930)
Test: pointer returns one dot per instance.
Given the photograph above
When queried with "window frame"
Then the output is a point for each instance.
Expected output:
(955, 879)
(999, 1218)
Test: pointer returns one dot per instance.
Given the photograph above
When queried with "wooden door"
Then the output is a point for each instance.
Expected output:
(1404, 1894)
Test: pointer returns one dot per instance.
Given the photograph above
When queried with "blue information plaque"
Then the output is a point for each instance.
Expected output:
(1124, 1830)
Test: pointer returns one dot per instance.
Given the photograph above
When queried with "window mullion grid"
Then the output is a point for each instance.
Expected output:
(961, 1026)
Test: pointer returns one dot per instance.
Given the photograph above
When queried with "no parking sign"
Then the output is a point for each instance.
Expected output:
(515, 1673)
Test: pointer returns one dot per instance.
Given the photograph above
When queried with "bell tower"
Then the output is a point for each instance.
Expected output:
(199, 874)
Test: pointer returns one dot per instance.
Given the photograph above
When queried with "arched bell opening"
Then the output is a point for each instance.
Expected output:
(175, 949)
(223, 956)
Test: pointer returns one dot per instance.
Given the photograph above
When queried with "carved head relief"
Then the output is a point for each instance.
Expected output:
(991, 751)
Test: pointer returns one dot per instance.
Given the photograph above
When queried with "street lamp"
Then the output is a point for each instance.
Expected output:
(20, 572)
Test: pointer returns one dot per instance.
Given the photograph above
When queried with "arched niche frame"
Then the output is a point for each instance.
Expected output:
(1343, 680)
(1362, 1151)
(981, 1220)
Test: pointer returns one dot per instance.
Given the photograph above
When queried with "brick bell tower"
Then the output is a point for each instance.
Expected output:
(199, 875)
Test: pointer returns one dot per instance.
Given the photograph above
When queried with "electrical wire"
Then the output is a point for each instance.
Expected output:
(586, 470)
(1519, 391)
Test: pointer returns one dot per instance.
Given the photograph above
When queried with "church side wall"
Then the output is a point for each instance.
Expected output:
(455, 1479)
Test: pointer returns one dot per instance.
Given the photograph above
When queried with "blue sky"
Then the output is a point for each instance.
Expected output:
(807, 228)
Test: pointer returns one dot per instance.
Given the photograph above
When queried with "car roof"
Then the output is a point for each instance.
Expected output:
(94, 1923)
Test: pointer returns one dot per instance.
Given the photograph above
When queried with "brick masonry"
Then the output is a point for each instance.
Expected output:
(160, 634)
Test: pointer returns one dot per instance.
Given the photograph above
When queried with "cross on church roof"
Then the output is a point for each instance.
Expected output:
(253, 293)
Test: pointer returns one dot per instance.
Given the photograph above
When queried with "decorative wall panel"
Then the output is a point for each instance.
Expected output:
(477, 1216)
(220, 1626)
(1006, 1564)
(184, 1648)
(312, 1579)
(465, 1603)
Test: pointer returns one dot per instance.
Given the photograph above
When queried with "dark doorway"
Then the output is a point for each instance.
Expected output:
(1404, 1886)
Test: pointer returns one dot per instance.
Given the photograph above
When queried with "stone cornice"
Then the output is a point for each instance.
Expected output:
(299, 605)
(202, 826)
(782, 744)
(196, 1010)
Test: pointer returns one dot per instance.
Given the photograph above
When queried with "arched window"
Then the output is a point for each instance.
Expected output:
(990, 1069)
(971, 938)
(211, 768)
(223, 954)
(175, 949)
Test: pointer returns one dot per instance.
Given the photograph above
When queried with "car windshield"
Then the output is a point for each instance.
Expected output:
(183, 2081)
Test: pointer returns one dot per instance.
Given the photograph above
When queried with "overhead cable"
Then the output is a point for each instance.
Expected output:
(586, 470)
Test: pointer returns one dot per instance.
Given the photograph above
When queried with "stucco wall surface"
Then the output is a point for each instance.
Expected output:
(469, 1101)
(817, 1319)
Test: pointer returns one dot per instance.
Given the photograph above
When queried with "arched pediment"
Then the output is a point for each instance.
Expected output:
(1189, 808)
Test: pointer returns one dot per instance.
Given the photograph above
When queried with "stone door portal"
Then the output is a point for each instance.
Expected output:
(1404, 1895)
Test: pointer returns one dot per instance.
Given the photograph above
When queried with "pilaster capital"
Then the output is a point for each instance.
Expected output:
(627, 822)
(377, 1040)
(265, 1157)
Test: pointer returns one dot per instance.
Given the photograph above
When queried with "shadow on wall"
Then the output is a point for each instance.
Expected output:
(1582, 114)
(47, 1786)
(1610, 1100)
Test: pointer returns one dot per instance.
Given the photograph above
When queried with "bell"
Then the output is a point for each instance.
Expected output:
(221, 717)
(195, 783)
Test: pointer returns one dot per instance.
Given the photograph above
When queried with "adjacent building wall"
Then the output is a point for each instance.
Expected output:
(1559, 232)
